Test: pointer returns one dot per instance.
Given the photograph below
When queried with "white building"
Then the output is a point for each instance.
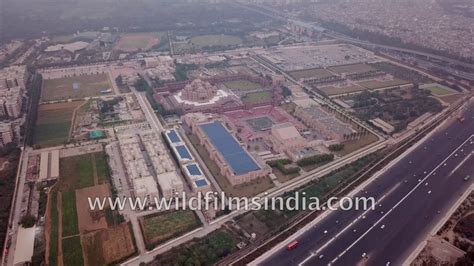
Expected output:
(145, 187)
(170, 184)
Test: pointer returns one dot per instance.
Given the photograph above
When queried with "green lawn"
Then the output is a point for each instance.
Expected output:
(257, 97)
(53, 235)
(72, 251)
(102, 167)
(353, 68)
(376, 84)
(52, 134)
(215, 40)
(158, 228)
(310, 73)
(242, 85)
(440, 91)
(69, 214)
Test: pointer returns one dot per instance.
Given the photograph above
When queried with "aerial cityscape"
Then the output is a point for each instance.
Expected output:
(237, 132)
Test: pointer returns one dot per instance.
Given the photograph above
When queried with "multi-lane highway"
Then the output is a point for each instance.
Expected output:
(412, 195)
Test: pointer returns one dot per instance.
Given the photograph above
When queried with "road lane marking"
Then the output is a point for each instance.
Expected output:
(401, 201)
(385, 215)
(460, 164)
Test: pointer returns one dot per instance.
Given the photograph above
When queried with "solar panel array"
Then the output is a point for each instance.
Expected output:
(173, 136)
(193, 169)
(236, 157)
(183, 152)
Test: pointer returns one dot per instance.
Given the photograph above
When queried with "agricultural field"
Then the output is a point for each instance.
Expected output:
(108, 247)
(71, 220)
(135, 42)
(379, 84)
(310, 73)
(72, 251)
(242, 85)
(353, 68)
(53, 123)
(159, 228)
(203, 251)
(77, 87)
(257, 97)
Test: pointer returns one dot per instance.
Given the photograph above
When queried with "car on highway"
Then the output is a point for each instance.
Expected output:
(466, 178)
(292, 245)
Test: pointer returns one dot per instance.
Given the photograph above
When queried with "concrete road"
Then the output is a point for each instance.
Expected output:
(412, 196)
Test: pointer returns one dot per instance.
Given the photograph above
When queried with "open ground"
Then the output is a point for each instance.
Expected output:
(353, 68)
(73, 224)
(53, 123)
(134, 42)
(215, 40)
(242, 85)
(257, 97)
(77, 87)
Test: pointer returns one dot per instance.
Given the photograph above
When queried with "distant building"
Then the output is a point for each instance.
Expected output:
(6, 133)
(12, 87)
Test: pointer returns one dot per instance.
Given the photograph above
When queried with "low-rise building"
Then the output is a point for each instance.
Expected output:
(148, 164)
(145, 188)
(170, 184)
(324, 123)
(190, 168)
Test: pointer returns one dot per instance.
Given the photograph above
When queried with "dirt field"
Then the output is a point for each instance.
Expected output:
(353, 68)
(158, 228)
(53, 123)
(78, 87)
(109, 246)
(311, 73)
(451, 98)
(91, 220)
(134, 42)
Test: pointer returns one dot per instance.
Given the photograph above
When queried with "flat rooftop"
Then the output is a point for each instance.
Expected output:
(235, 156)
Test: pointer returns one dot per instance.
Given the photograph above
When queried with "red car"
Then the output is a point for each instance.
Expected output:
(292, 245)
